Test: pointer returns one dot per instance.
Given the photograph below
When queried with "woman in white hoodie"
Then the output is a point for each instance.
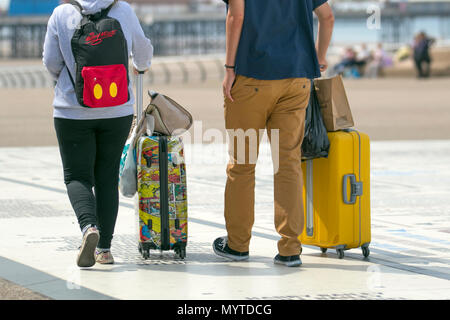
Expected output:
(91, 140)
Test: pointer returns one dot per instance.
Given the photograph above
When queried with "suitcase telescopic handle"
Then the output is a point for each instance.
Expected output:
(139, 94)
(356, 189)
(309, 199)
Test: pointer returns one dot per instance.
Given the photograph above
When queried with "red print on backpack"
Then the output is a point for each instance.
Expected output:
(105, 86)
(95, 39)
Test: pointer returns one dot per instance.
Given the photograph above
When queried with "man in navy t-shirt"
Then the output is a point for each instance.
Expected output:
(271, 57)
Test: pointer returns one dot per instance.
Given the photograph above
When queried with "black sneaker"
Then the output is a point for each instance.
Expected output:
(221, 248)
(290, 261)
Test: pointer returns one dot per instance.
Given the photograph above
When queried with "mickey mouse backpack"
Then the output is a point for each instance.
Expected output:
(101, 56)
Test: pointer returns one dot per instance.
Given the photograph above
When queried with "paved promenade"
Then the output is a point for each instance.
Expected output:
(407, 121)
(409, 252)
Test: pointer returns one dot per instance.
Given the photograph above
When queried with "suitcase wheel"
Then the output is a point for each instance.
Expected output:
(340, 253)
(365, 251)
(324, 250)
(145, 252)
(180, 252)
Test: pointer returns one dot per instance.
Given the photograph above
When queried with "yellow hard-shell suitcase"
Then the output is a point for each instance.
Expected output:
(336, 195)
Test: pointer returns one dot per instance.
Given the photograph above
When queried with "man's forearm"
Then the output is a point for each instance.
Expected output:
(325, 32)
(235, 20)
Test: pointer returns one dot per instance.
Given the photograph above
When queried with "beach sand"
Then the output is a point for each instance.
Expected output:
(386, 109)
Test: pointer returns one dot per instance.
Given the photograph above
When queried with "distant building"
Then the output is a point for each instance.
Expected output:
(32, 7)
(46, 7)
(183, 2)
(144, 7)
(180, 2)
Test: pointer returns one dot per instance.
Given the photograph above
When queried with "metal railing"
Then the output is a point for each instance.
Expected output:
(191, 69)
(24, 37)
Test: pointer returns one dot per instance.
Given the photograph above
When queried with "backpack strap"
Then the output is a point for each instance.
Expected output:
(79, 8)
(103, 13)
(77, 5)
(70, 76)
(107, 10)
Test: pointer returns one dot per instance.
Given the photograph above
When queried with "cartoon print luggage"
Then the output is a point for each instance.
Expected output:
(162, 199)
(161, 187)
(336, 195)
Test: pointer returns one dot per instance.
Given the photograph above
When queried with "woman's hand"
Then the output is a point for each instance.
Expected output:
(136, 72)
(230, 76)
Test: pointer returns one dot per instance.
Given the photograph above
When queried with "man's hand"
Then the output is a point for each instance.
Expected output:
(230, 76)
(323, 64)
(235, 20)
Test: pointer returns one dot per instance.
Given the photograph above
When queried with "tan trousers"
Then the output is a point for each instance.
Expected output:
(278, 106)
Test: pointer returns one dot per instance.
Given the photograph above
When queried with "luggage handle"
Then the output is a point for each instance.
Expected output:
(139, 95)
(356, 189)
(309, 199)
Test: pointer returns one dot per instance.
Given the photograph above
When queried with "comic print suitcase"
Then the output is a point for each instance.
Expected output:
(162, 199)
(336, 195)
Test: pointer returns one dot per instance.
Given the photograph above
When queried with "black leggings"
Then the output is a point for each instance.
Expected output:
(90, 152)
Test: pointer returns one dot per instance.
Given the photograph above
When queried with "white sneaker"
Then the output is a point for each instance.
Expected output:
(104, 257)
(86, 257)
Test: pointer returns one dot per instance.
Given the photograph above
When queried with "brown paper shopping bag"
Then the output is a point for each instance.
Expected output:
(334, 103)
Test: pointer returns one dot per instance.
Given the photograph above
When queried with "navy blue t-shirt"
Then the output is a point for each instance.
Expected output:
(277, 40)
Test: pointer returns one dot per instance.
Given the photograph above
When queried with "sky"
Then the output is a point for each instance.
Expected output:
(4, 4)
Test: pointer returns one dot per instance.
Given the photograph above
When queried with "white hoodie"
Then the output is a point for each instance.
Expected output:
(58, 53)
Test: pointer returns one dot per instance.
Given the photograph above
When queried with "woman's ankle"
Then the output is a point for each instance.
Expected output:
(86, 228)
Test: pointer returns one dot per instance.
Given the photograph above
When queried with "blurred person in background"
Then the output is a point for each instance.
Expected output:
(91, 140)
(363, 57)
(422, 58)
(380, 60)
(403, 53)
(348, 60)
(353, 62)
